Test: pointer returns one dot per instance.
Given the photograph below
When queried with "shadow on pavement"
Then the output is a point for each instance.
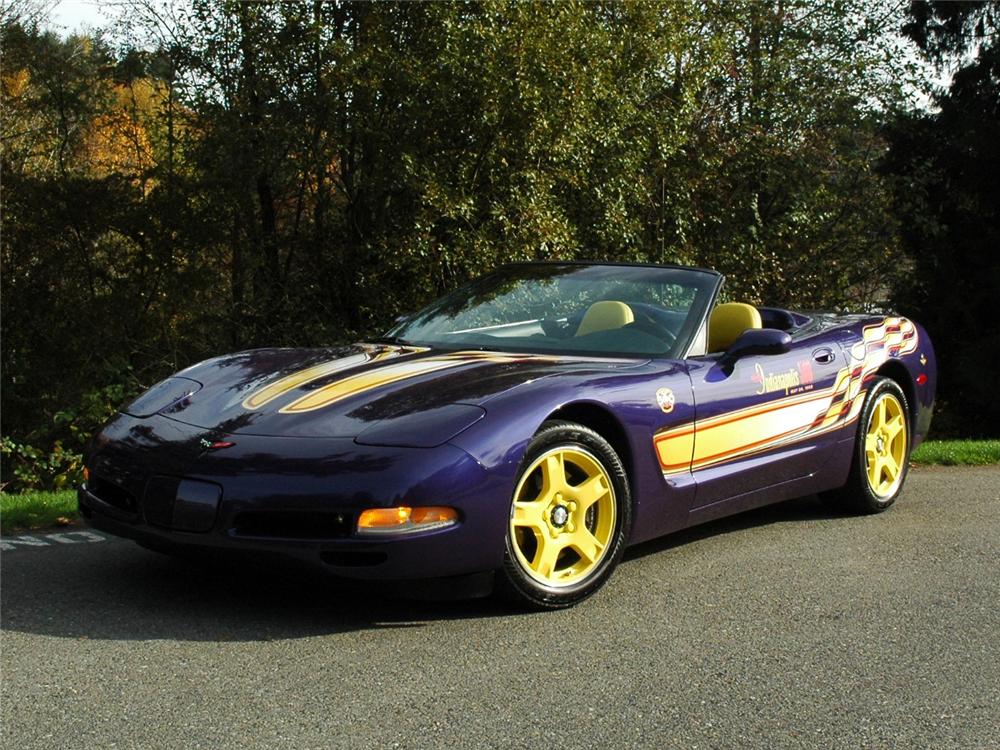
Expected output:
(809, 508)
(116, 590)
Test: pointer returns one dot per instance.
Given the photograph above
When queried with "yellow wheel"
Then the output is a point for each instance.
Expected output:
(567, 516)
(881, 451)
(886, 443)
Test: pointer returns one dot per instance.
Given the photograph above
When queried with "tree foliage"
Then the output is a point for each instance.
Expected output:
(777, 182)
(231, 174)
(947, 170)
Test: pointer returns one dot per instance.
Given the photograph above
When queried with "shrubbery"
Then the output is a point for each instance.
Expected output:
(56, 465)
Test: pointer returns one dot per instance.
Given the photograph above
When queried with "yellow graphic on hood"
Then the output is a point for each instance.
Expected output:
(361, 382)
(279, 388)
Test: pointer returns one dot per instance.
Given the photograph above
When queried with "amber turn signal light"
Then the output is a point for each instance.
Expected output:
(404, 519)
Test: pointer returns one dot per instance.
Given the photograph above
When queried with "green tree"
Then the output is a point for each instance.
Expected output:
(235, 174)
(362, 158)
(93, 296)
(776, 186)
(947, 169)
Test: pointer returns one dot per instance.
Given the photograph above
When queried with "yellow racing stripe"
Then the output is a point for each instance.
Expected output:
(394, 373)
(279, 388)
(365, 381)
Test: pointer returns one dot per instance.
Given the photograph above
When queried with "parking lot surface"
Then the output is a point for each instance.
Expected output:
(787, 627)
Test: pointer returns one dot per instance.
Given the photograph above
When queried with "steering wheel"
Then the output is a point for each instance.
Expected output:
(648, 324)
(556, 330)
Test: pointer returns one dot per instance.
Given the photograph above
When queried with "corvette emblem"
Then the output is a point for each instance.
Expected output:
(923, 359)
(665, 400)
(214, 445)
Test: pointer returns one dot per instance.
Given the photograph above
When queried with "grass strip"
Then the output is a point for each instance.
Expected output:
(36, 510)
(957, 453)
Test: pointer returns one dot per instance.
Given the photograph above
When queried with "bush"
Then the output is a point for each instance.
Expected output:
(54, 460)
(29, 468)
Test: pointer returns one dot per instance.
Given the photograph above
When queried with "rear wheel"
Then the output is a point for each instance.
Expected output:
(881, 453)
(569, 516)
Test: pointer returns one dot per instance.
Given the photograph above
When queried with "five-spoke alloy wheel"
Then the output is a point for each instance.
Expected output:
(882, 451)
(569, 515)
(886, 445)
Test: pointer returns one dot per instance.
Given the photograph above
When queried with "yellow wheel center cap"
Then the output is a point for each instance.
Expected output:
(560, 515)
(880, 444)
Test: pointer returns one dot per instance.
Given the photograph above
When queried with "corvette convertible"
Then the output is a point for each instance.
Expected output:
(519, 432)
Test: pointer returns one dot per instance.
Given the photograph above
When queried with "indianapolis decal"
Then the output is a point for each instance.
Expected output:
(798, 415)
(793, 380)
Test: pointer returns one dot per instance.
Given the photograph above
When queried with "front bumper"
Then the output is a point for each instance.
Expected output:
(294, 498)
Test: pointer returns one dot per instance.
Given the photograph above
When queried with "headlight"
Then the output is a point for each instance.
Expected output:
(160, 396)
(405, 520)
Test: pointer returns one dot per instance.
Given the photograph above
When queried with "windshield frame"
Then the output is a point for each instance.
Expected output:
(701, 307)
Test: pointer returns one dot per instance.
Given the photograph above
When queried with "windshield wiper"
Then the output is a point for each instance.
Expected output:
(397, 340)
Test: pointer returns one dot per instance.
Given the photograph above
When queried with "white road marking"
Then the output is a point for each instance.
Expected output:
(45, 540)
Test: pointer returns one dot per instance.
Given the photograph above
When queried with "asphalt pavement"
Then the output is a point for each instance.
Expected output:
(787, 627)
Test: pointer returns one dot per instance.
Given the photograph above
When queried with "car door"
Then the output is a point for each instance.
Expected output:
(764, 420)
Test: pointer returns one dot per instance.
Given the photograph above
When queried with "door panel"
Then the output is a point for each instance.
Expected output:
(765, 423)
(674, 415)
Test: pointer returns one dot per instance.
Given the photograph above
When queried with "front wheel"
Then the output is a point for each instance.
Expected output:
(881, 452)
(569, 517)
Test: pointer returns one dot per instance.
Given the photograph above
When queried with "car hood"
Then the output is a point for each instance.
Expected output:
(356, 390)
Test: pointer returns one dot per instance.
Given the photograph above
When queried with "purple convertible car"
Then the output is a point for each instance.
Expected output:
(520, 431)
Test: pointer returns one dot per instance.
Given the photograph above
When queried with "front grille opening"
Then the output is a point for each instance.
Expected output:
(158, 501)
(291, 524)
(353, 558)
(112, 494)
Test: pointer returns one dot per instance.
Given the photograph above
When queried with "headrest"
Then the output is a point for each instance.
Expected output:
(728, 321)
(605, 316)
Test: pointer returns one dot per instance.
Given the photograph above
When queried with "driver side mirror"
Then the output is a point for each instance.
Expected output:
(756, 341)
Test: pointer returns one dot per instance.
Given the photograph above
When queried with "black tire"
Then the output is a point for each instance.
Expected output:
(858, 494)
(579, 449)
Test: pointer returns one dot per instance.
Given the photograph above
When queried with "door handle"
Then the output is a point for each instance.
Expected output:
(824, 355)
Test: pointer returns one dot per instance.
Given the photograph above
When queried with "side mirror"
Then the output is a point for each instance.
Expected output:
(756, 341)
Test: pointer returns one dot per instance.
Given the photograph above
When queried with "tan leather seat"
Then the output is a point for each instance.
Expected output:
(605, 316)
(728, 321)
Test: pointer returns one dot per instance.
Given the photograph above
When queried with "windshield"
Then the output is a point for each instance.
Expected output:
(565, 308)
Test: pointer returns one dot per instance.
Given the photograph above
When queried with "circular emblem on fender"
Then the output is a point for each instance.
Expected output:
(665, 400)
